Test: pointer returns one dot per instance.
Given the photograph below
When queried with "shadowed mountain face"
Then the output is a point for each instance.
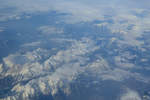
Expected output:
(74, 50)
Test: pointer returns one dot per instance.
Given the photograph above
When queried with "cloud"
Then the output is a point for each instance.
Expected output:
(48, 30)
(1, 29)
(116, 75)
(41, 71)
(130, 95)
(124, 15)
(104, 70)
(1, 68)
(37, 43)
(78, 10)
(124, 60)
